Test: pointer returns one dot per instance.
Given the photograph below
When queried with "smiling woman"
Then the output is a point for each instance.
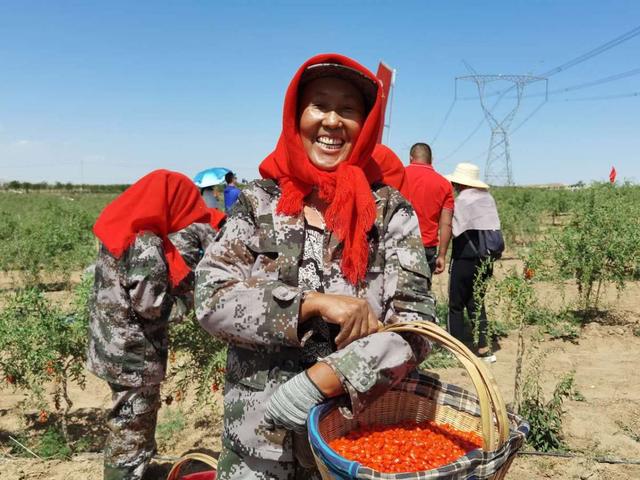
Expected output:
(332, 116)
(312, 260)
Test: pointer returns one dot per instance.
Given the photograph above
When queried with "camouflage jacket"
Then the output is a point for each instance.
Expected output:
(130, 306)
(129, 310)
(191, 242)
(247, 294)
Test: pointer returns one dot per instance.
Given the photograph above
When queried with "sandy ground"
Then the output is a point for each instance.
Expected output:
(605, 424)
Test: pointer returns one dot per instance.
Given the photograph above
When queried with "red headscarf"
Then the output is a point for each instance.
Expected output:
(351, 210)
(216, 217)
(161, 202)
(393, 173)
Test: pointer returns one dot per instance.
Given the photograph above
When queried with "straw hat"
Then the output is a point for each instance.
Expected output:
(467, 174)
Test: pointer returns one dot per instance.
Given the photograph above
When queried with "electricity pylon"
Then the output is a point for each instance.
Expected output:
(498, 168)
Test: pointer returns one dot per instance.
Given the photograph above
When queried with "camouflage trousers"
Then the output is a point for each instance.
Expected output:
(234, 466)
(131, 443)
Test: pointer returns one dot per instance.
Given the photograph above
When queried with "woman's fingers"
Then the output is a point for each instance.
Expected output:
(364, 326)
(354, 316)
(360, 327)
(355, 331)
(346, 325)
(373, 322)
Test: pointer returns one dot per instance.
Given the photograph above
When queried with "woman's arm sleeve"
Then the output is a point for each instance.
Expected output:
(370, 366)
(146, 277)
(191, 243)
(235, 305)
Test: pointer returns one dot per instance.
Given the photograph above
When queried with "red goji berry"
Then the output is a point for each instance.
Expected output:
(50, 368)
(43, 416)
(407, 447)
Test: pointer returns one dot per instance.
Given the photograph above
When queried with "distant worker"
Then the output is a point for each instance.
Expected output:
(209, 196)
(477, 242)
(231, 191)
(432, 198)
(206, 181)
(138, 274)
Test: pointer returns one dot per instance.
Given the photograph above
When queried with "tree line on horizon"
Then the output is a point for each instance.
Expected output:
(16, 185)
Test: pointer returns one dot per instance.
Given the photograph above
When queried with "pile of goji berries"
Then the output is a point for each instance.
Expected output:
(408, 447)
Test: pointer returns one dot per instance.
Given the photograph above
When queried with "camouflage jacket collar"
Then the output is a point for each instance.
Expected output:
(286, 233)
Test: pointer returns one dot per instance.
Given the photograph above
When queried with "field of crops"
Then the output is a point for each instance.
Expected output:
(563, 306)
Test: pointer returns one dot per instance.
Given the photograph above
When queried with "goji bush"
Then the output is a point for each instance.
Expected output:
(545, 416)
(41, 345)
(599, 245)
(196, 360)
(520, 211)
(48, 233)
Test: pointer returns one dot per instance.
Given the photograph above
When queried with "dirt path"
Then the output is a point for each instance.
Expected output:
(605, 364)
(606, 424)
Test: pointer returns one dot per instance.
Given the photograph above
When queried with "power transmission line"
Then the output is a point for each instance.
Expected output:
(592, 53)
(477, 127)
(467, 138)
(446, 117)
(585, 56)
(603, 97)
(610, 78)
(560, 68)
(584, 85)
(453, 102)
(528, 117)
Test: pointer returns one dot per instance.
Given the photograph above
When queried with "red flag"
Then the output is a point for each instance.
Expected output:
(612, 175)
(385, 74)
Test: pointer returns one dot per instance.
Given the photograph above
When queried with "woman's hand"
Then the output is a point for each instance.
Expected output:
(354, 315)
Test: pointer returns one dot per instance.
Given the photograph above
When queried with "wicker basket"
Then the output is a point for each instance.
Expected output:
(421, 397)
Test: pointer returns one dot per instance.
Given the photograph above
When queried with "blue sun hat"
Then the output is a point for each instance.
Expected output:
(210, 177)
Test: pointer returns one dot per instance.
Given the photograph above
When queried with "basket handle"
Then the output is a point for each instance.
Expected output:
(196, 456)
(491, 402)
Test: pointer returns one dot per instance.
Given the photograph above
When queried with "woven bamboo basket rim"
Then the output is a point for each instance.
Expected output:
(492, 406)
(415, 407)
(196, 456)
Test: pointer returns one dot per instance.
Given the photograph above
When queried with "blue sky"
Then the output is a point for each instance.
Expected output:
(106, 91)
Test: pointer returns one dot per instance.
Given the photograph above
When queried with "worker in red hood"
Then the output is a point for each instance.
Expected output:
(314, 258)
(139, 274)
